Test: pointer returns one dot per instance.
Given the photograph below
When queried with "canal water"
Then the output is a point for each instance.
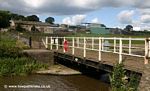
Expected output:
(52, 83)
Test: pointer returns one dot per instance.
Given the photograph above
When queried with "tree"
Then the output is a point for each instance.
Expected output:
(4, 19)
(128, 28)
(102, 25)
(18, 17)
(50, 20)
(33, 18)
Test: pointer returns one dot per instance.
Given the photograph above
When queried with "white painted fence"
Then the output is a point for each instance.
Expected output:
(120, 46)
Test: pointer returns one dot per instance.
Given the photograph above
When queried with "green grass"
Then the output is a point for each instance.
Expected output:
(107, 35)
(18, 66)
(13, 61)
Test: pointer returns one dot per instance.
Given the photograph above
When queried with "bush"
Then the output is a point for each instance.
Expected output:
(18, 66)
(10, 51)
(13, 61)
(120, 82)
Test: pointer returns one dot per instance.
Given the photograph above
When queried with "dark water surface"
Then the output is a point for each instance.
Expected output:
(52, 83)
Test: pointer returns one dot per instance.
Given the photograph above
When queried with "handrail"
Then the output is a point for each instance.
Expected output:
(102, 44)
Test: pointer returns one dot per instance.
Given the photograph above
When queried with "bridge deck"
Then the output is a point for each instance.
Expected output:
(130, 62)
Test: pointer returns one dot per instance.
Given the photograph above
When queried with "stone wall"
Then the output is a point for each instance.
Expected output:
(145, 80)
(42, 56)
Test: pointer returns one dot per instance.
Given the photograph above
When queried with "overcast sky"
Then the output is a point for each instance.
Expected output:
(112, 13)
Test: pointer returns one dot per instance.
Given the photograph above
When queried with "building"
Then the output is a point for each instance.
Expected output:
(98, 28)
(40, 26)
(115, 30)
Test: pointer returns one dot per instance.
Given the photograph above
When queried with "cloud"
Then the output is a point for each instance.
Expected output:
(67, 7)
(125, 17)
(142, 4)
(74, 20)
(95, 20)
(66, 20)
(145, 18)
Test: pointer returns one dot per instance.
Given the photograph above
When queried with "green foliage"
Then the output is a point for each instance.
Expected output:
(18, 66)
(50, 20)
(120, 82)
(4, 19)
(13, 61)
(8, 48)
(116, 78)
(18, 17)
(32, 18)
(128, 28)
(134, 82)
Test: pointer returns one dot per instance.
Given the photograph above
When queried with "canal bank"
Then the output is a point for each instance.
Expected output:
(33, 82)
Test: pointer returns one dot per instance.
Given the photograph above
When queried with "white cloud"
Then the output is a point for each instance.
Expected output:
(34, 3)
(136, 28)
(145, 18)
(125, 17)
(66, 20)
(67, 7)
(74, 20)
(95, 20)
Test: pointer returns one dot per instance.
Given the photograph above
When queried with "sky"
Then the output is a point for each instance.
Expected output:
(112, 13)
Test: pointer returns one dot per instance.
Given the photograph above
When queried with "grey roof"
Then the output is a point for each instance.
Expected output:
(32, 23)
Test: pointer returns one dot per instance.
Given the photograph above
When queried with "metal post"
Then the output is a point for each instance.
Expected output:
(51, 44)
(130, 45)
(63, 45)
(73, 46)
(92, 42)
(120, 51)
(84, 52)
(46, 42)
(114, 44)
(146, 51)
(100, 46)
(30, 42)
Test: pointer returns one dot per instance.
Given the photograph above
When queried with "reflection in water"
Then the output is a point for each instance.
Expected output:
(56, 83)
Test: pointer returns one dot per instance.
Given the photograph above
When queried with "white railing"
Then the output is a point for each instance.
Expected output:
(120, 46)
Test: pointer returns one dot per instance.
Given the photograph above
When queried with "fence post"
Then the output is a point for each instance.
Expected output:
(102, 43)
(46, 43)
(92, 42)
(146, 51)
(114, 44)
(120, 50)
(56, 43)
(130, 42)
(64, 45)
(73, 46)
(84, 52)
(100, 46)
(51, 44)
(77, 42)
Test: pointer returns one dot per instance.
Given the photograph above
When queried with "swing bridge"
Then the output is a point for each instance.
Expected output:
(99, 52)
